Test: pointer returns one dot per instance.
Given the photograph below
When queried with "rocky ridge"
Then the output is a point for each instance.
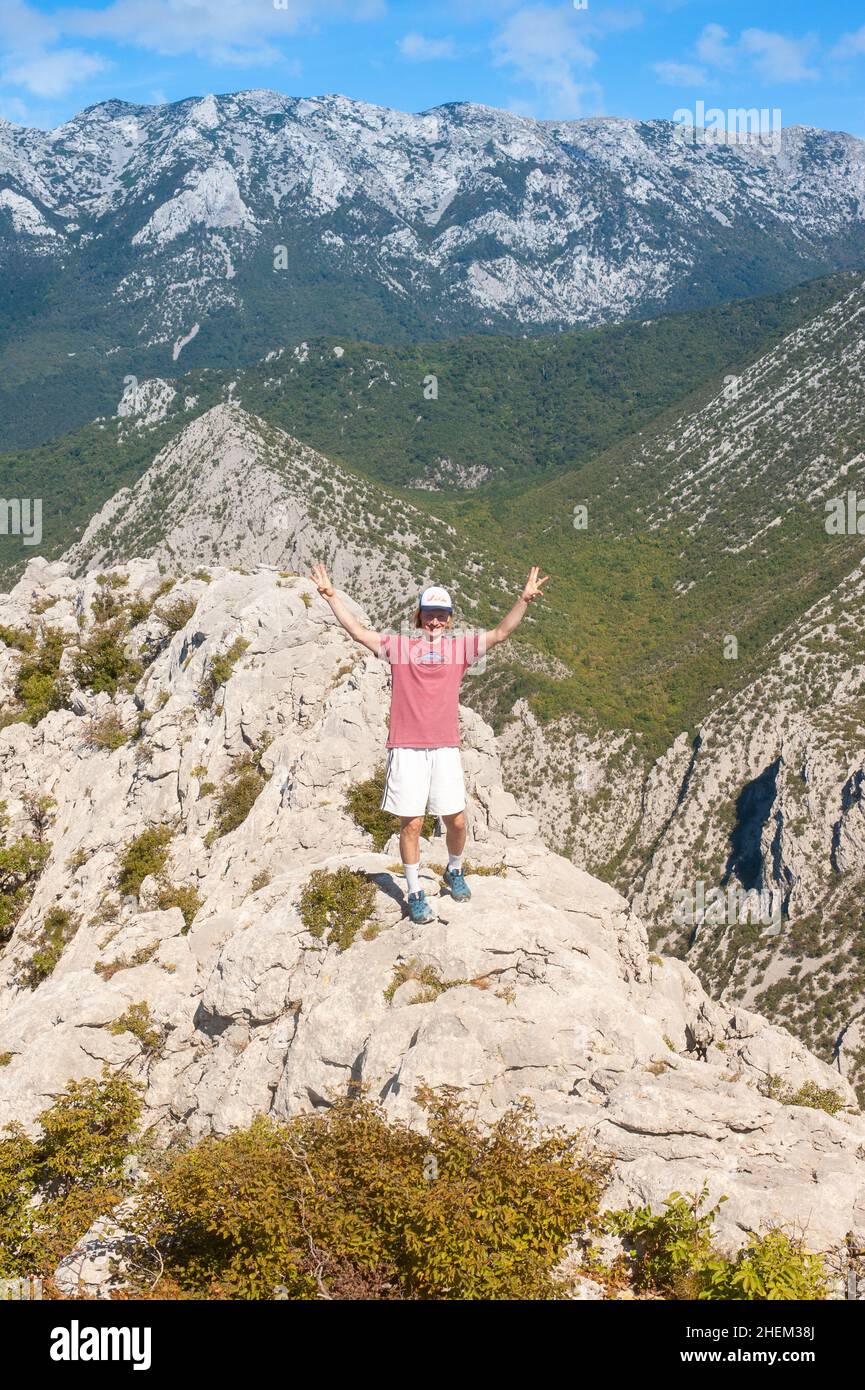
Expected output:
(547, 984)
(228, 488)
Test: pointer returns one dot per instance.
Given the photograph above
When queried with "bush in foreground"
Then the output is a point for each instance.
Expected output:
(349, 1205)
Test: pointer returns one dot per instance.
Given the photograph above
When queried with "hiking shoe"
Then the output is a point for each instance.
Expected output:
(456, 883)
(419, 909)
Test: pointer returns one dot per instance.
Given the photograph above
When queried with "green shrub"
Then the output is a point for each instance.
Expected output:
(21, 863)
(771, 1266)
(105, 606)
(499, 870)
(674, 1255)
(808, 1094)
(39, 687)
(137, 1020)
(671, 1245)
(187, 898)
(107, 732)
(348, 1205)
(219, 671)
(146, 854)
(59, 925)
(237, 797)
(101, 662)
(364, 801)
(337, 905)
(139, 609)
(53, 1187)
(426, 975)
(140, 957)
(16, 637)
(177, 615)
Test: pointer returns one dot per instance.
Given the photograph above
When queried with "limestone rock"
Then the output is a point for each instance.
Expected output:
(542, 986)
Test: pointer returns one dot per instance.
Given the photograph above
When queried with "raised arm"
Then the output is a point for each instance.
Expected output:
(361, 634)
(533, 589)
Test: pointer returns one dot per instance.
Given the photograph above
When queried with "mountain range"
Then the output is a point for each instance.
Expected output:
(655, 395)
(207, 230)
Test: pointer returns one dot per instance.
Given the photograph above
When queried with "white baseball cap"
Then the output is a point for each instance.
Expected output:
(435, 597)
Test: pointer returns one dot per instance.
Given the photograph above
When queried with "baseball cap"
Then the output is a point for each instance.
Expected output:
(435, 597)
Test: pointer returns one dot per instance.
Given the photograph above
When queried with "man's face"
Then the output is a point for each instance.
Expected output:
(434, 620)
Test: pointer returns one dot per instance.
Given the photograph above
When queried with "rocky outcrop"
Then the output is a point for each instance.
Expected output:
(231, 489)
(543, 985)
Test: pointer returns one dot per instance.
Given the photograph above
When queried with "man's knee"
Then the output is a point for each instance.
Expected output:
(457, 820)
(411, 825)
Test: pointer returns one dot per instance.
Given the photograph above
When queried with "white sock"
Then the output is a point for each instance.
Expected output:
(455, 862)
(412, 876)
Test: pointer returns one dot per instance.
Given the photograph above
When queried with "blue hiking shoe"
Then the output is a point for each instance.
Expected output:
(419, 909)
(457, 886)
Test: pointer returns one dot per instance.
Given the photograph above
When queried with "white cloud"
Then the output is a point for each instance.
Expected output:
(774, 57)
(778, 58)
(543, 47)
(227, 32)
(422, 50)
(24, 28)
(713, 48)
(13, 109)
(850, 45)
(681, 74)
(53, 74)
(206, 27)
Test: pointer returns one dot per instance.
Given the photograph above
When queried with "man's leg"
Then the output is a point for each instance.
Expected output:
(455, 839)
(409, 850)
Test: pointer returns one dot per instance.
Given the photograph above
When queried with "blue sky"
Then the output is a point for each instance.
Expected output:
(553, 60)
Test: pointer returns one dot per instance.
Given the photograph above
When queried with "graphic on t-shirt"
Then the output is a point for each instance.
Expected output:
(425, 683)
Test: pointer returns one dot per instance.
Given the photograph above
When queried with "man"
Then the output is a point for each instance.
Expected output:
(424, 769)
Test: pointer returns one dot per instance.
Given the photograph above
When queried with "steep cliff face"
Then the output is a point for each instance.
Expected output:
(762, 794)
(765, 798)
(544, 984)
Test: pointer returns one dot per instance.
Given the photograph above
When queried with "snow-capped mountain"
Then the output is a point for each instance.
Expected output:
(175, 222)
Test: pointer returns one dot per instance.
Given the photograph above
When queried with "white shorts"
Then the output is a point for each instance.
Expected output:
(418, 780)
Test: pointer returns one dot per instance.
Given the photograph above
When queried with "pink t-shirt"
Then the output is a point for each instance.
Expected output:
(425, 686)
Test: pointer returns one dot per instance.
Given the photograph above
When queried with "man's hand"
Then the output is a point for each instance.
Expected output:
(534, 586)
(367, 638)
(512, 620)
(320, 579)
